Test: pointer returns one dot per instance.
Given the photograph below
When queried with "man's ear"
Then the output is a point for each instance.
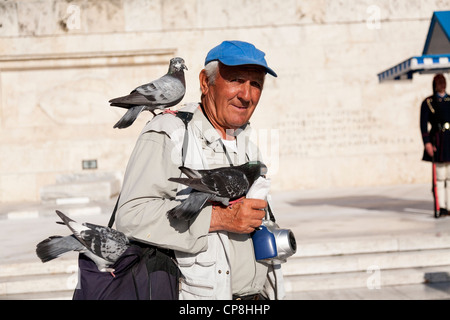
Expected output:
(204, 83)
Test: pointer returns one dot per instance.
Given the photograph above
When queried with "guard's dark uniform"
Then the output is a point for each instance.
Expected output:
(436, 111)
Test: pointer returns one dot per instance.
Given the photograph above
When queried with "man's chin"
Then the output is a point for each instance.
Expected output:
(239, 118)
(236, 125)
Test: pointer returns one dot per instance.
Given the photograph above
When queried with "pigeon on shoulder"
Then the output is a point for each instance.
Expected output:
(161, 93)
(102, 245)
(221, 185)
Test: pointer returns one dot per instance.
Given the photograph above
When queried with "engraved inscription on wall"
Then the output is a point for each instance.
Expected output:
(339, 132)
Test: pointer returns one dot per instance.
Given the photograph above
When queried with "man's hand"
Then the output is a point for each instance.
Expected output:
(241, 217)
(430, 149)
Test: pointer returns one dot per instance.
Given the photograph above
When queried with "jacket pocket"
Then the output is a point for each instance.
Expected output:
(204, 259)
(194, 289)
(199, 274)
(188, 262)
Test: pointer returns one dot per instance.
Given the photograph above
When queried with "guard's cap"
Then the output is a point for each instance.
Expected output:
(236, 53)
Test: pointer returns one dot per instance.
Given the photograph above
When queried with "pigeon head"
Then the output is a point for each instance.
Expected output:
(255, 169)
(176, 65)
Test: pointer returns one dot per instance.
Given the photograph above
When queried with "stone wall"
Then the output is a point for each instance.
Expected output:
(324, 122)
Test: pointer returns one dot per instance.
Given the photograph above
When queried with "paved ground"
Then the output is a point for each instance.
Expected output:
(360, 213)
(357, 212)
(313, 215)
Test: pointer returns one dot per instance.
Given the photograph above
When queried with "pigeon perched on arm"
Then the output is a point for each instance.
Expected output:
(222, 185)
(102, 245)
(162, 93)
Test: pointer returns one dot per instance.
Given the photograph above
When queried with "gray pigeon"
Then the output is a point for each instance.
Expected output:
(162, 93)
(102, 245)
(222, 185)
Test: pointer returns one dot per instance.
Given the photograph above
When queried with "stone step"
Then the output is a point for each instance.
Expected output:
(346, 246)
(57, 266)
(52, 280)
(435, 291)
(320, 265)
(365, 261)
(371, 279)
(56, 295)
(38, 283)
(81, 187)
(61, 286)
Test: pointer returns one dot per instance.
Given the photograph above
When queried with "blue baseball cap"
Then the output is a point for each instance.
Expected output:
(236, 53)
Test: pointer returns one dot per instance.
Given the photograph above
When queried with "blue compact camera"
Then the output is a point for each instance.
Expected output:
(271, 242)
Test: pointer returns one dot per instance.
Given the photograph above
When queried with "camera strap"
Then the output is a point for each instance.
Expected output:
(269, 210)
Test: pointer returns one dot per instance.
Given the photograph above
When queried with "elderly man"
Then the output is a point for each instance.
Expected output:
(214, 251)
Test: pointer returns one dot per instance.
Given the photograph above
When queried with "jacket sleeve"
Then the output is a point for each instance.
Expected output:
(147, 195)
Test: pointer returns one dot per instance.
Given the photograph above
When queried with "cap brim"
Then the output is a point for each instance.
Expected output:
(241, 62)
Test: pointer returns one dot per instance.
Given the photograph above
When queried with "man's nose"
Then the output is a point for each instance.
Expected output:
(245, 91)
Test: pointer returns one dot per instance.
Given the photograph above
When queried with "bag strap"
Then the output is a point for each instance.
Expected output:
(185, 116)
(113, 215)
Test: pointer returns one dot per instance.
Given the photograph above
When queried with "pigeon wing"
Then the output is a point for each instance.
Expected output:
(227, 183)
(131, 100)
(103, 243)
(166, 91)
(191, 173)
(189, 207)
(74, 226)
(109, 232)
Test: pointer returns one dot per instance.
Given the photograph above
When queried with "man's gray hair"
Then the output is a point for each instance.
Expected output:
(211, 70)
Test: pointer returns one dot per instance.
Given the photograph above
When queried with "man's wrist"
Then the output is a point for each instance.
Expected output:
(216, 219)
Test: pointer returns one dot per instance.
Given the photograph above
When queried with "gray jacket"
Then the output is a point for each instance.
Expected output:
(214, 265)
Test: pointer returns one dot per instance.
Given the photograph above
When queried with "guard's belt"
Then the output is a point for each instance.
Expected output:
(444, 126)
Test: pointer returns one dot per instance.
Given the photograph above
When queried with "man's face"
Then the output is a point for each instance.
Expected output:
(233, 97)
(440, 85)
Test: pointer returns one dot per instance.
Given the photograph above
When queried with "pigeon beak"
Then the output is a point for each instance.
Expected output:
(184, 67)
(263, 171)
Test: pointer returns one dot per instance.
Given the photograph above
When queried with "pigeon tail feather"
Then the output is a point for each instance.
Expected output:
(129, 117)
(64, 218)
(54, 246)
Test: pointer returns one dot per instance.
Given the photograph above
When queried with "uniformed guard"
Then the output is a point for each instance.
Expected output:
(435, 110)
